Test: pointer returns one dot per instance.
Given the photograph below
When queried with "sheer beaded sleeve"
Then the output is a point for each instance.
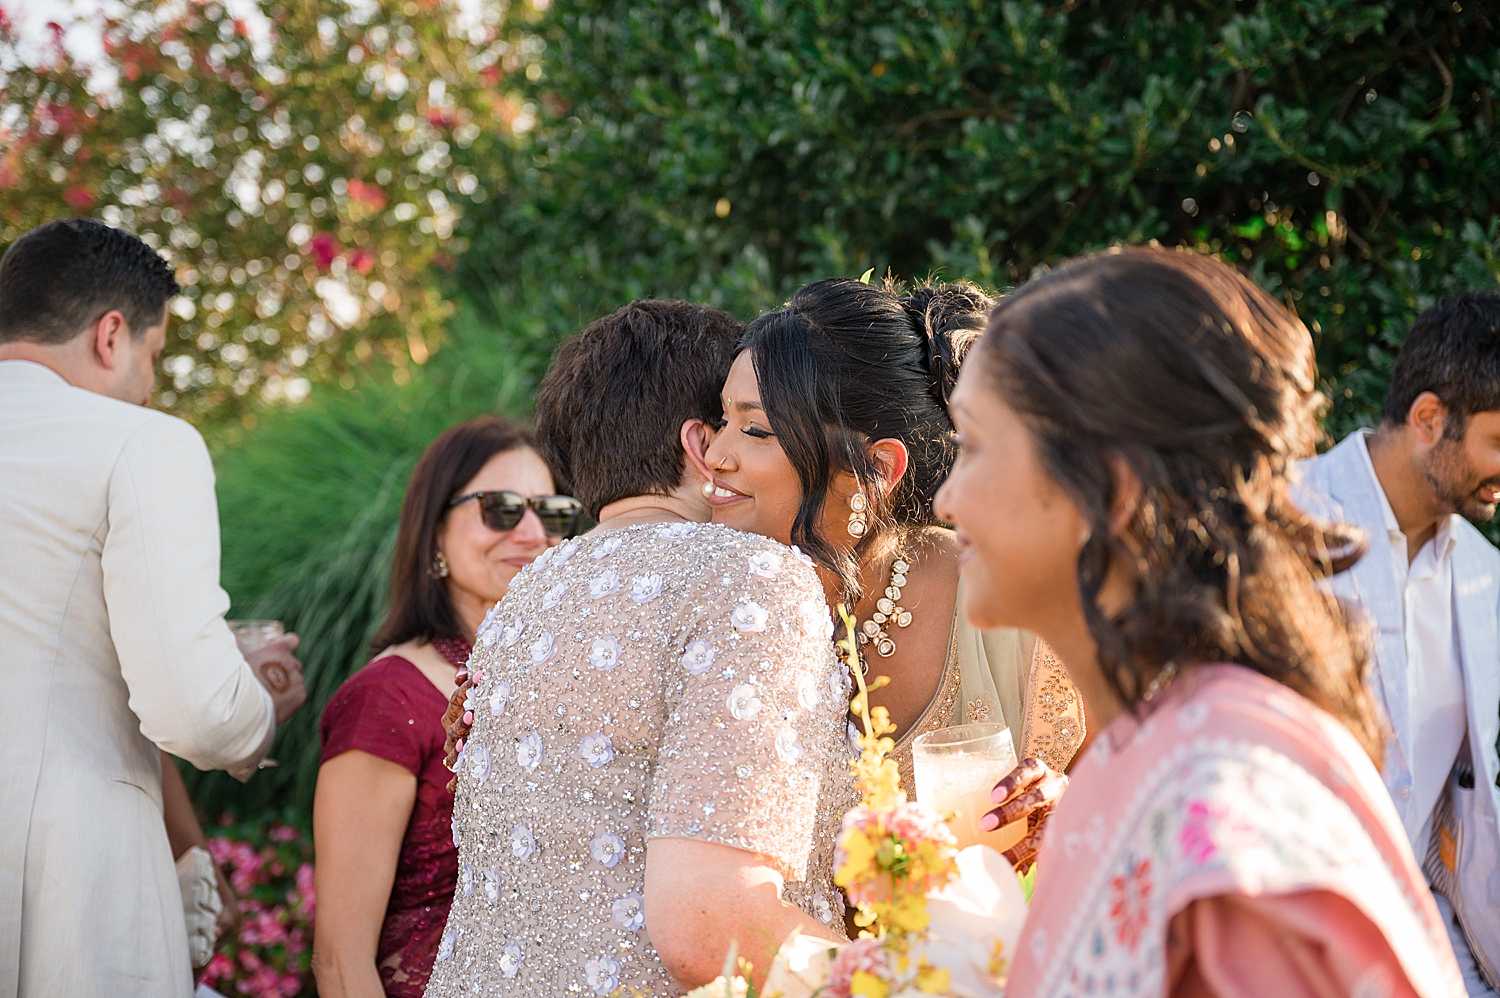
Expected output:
(754, 711)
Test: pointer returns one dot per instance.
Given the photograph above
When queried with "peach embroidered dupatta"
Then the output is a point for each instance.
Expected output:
(1235, 842)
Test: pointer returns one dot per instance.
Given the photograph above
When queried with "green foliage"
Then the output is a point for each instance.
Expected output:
(310, 502)
(302, 182)
(1028, 882)
(1342, 152)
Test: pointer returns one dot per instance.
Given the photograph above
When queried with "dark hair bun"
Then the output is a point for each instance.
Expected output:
(949, 319)
(845, 363)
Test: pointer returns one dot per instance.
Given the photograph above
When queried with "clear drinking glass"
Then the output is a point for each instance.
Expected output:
(956, 769)
(253, 635)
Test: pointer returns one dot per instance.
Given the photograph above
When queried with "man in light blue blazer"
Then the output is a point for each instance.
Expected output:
(1429, 586)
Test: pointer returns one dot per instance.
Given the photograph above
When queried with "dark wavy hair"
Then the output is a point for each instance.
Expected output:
(1206, 387)
(420, 608)
(844, 364)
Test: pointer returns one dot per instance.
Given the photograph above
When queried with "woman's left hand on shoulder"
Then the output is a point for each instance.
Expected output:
(457, 722)
(1031, 791)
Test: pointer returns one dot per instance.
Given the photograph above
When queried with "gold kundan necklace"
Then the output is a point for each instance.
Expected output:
(888, 610)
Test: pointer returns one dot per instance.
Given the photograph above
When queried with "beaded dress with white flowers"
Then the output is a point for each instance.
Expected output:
(657, 680)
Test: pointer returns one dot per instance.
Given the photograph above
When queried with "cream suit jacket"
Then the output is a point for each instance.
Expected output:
(112, 642)
(1337, 486)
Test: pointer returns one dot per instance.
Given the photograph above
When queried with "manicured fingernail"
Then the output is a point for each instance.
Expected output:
(459, 745)
(468, 717)
(988, 823)
(999, 794)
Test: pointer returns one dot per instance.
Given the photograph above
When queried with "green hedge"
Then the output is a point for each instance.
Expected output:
(1344, 153)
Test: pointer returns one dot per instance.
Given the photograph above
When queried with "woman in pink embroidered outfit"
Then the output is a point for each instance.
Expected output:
(1127, 428)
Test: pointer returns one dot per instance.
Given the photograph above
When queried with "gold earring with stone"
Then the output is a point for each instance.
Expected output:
(858, 523)
(440, 566)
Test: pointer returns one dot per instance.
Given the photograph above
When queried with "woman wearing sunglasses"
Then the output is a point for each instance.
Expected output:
(478, 509)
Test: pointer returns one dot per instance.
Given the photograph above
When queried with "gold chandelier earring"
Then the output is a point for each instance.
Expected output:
(440, 566)
(858, 522)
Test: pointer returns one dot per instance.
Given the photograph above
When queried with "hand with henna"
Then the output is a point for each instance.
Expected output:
(1031, 791)
(280, 672)
(457, 722)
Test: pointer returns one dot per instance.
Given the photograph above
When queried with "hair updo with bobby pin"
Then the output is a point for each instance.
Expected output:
(844, 364)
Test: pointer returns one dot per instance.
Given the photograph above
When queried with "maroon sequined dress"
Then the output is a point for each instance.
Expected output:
(390, 709)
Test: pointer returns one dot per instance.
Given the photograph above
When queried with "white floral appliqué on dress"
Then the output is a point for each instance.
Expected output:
(667, 684)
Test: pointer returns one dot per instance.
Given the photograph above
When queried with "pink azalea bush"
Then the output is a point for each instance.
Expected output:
(269, 865)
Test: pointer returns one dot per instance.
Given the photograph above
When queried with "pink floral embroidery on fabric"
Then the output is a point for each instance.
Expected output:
(1208, 829)
(1130, 903)
(1197, 836)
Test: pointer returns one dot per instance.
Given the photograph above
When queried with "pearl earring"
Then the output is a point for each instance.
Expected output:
(708, 490)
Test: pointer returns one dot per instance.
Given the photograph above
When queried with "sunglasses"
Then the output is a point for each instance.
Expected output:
(503, 511)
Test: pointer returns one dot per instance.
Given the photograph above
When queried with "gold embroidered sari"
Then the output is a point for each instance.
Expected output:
(1010, 677)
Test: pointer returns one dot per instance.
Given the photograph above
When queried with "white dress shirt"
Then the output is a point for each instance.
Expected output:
(1434, 673)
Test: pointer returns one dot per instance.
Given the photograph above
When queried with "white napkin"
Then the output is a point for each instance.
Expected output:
(801, 966)
(975, 923)
(201, 902)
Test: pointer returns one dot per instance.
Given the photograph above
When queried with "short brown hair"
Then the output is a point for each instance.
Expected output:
(1452, 350)
(59, 278)
(419, 607)
(610, 411)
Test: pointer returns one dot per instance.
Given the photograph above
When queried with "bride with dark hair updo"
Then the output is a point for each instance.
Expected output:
(835, 437)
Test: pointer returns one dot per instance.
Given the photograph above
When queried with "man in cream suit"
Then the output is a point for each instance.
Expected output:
(112, 634)
(1429, 585)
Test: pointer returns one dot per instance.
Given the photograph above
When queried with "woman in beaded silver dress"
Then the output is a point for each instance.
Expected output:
(656, 709)
(835, 436)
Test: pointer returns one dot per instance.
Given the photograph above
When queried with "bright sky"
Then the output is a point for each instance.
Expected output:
(82, 30)
(80, 22)
(81, 25)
